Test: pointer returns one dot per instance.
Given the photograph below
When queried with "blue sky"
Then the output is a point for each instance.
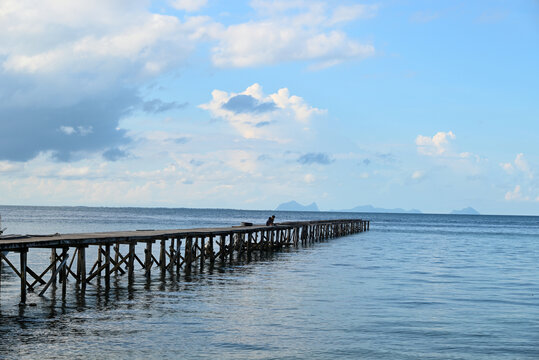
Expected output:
(430, 105)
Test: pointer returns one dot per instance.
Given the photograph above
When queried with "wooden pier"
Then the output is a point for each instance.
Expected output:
(177, 250)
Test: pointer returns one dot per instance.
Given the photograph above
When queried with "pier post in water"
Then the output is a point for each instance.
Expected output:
(81, 267)
(23, 259)
(148, 258)
(107, 266)
(131, 261)
(162, 258)
(53, 266)
(63, 272)
(187, 255)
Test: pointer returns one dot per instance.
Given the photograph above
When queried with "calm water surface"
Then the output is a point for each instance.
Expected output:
(415, 286)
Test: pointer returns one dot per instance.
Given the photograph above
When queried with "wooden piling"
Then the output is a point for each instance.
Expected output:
(107, 265)
(162, 258)
(81, 268)
(23, 259)
(63, 272)
(131, 261)
(187, 255)
(148, 258)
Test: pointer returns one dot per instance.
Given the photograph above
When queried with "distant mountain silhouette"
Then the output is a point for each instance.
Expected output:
(466, 211)
(295, 206)
(372, 209)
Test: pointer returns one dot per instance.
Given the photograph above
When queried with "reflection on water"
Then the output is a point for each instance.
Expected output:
(415, 286)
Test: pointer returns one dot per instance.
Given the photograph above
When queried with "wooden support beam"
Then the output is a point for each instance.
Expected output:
(54, 258)
(23, 258)
(178, 255)
(40, 277)
(116, 258)
(222, 247)
(81, 267)
(249, 241)
(231, 246)
(212, 254)
(96, 265)
(162, 258)
(148, 257)
(131, 263)
(55, 273)
(187, 255)
(202, 252)
(139, 261)
(37, 278)
(2, 256)
(71, 264)
(107, 266)
(99, 258)
(117, 266)
(63, 273)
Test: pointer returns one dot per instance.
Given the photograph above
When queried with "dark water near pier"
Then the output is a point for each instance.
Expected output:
(415, 286)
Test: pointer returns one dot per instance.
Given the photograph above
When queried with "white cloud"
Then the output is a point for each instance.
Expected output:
(71, 171)
(522, 165)
(436, 145)
(189, 5)
(508, 167)
(519, 164)
(68, 130)
(81, 130)
(347, 13)
(516, 195)
(7, 166)
(418, 174)
(291, 31)
(309, 178)
(271, 117)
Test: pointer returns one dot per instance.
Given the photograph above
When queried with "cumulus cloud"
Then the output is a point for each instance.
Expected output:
(257, 116)
(515, 194)
(87, 126)
(520, 165)
(436, 145)
(315, 158)
(189, 5)
(70, 71)
(292, 31)
(347, 13)
(7, 167)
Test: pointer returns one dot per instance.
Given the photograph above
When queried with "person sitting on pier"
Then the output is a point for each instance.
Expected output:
(270, 221)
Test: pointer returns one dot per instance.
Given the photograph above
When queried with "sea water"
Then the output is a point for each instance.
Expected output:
(415, 286)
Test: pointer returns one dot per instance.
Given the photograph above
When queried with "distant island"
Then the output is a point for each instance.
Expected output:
(295, 206)
(372, 209)
(466, 211)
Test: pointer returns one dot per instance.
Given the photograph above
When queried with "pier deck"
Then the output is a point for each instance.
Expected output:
(178, 249)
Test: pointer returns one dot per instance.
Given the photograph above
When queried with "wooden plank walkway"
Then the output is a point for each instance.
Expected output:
(178, 249)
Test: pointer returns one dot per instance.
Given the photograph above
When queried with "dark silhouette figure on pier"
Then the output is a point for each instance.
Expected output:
(270, 221)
